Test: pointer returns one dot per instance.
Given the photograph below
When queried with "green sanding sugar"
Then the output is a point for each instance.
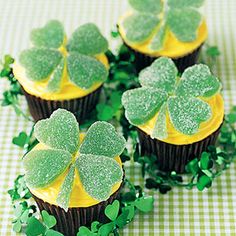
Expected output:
(98, 175)
(60, 131)
(152, 6)
(158, 41)
(84, 71)
(185, 3)
(102, 139)
(44, 166)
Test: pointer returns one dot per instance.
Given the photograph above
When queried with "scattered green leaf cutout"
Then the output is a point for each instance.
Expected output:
(97, 169)
(48, 220)
(87, 40)
(144, 204)
(149, 6)
(185, 3)
(84, 71)
(52, 133)
(112, 210)
(142, 104)
(35, 227)
(102, 139)
(50, 36)
(160, 84)
(198, 81)
(47, 60)
(139, 26)
(98, 174)
(158, 40)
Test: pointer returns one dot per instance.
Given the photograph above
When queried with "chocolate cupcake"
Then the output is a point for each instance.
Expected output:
(74, 176)
(56, 73)
(170, 28)
(176, 118)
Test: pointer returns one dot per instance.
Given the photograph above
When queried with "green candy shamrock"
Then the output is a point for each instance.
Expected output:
(93, 158)
(50, 56)
(164, 93)
(152, 18)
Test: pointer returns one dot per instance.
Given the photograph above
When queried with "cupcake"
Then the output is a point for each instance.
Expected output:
(176, 118)
(169, 28)
(72, 175)
(59, 73)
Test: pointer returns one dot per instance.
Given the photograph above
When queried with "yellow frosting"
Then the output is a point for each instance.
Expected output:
(173, 48)
(79, 197)
(206, 128)
(68, 90)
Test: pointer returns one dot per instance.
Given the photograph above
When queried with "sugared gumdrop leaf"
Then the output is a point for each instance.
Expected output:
(98, 175)
(160, 128)
(184, 23)
(149, 6)
(198, 81)
(55, 80)
(88, 40)
(44, 166)
(84, 71)
(187, 114)
(50, 36)
(158, 40)
(63, 198)
(102, 139)
(185, 3)
(161, 74)
(139, 26)
(39, 63)
(142, 104)
(60, 131)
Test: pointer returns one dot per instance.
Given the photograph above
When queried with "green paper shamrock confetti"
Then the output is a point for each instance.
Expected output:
(160, 84)
(50, 56)
(153, 18)
(97, 169)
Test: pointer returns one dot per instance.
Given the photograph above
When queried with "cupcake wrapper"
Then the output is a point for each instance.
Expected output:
(172, 157)
(144, 60)
(81, 107)
(68, 223)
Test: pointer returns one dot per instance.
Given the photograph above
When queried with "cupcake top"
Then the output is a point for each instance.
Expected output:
(171, 28)
(56, 68)
(70, 170)
(172, 109)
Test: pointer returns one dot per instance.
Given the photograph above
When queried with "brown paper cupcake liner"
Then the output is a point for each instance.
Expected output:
(144, 60)
(81, 107)
(172, 157)
(68, 223)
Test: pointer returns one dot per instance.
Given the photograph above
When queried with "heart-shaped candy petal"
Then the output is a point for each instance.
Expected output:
(102, 139)
(184, 23)
(50, 36)
(149, 6)
(39, 63)
(142, 104)
(60, 131)
(158, 40)
(87, 40)
(44, 166)
(198, 81)
(98, 175)
(187, 114)
(84, 71)
(161, 74)
(185, 3)
(139, 26)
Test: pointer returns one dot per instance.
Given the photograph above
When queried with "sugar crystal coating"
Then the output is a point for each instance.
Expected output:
(142, 104)
(184, 23)
(186, 114)
(152, 6)
(161, 74)
(102, 139)
(87, 40)
(39, 63)
(198, 81)
(50, 36)
(44, 166)
(60, 131)
(158, 40)
(139, 26)
(98, 175)
(84, 71)
(63, 198)
(185, 3)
